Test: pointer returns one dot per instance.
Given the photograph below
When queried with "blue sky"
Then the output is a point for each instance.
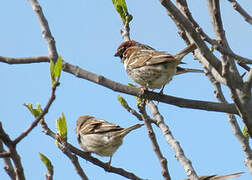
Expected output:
(87, 34)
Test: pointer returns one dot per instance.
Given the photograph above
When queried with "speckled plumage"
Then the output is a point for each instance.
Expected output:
(99, 136)
(148, 67)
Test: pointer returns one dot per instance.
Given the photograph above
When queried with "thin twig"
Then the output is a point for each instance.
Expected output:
(45, 30)
(24, 60)
(162, 160)
(49, 175)
(240, 10)
(74, 161)
(4, 154)
(194, 36)
(36, 121)
(8, 167)
(185, 10)
(240, 91)
(125, 32)
(179, 153)
(243, 65)
(19, 171)
(234, 124)
(91, 159)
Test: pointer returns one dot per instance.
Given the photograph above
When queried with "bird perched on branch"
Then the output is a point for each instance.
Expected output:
(215, 177)
(99, 136)
(151, 68)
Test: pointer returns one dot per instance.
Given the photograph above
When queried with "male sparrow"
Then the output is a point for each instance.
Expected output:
(151, 68)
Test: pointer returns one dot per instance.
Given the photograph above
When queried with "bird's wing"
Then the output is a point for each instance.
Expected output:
(99, 126)
(147, 57)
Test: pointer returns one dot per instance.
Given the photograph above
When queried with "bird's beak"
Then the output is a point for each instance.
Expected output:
(117, 54)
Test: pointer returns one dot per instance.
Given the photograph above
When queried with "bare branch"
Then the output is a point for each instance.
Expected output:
(8, 167)
(182, 5)
(25, 60)
(155, 146)
(4, 154)
(209, 60)
(248, 82)
(234, 124)
(243, 65)
(240, 92)
(49, 175)
(91, 159)
(118, 87)
(125, 32)
(179, 153)
(19, 171)
(240, 10)
(45, 30)
(74, 161)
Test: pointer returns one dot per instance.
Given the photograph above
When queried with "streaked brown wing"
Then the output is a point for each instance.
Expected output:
(99, 126)
(149, 57)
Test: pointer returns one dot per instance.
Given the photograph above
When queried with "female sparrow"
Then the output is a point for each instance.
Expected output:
(148, 67)
(101, 137)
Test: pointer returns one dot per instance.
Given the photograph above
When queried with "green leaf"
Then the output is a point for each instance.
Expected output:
(58, 144)
(29, 106)
(46, 162)
(35, 112)
(245, 132)
(212, 49)
(131, 85)
(121, 8)
(128, 18)
(38, 108)
(62, 127)
(52, 65)
(123, 102)
(58, 67)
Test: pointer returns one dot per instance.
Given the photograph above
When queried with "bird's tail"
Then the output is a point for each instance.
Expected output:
(127, 130)
(228, 176)
(185, 51)
(181, 70)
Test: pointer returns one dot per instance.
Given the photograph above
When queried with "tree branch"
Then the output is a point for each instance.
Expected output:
(155, 146)
(240, 10)
(24, 60)
(36, 121)
(45, 30)
(8, 167)
(244, 142)
(74, 161)
(209, 59)
(179, 153)
(183, 7)
(19, 171)
(240, 92)
(4, 154)
(118, 87)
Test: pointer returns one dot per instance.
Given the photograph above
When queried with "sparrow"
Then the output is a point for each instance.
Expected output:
(151, 68)
(215, 177)
(99, 136)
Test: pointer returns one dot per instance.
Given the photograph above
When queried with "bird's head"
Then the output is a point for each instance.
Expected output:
(124, 46)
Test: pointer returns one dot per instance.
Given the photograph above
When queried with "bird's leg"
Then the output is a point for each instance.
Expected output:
(162, 90)
(109, 162)
(142, 88)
